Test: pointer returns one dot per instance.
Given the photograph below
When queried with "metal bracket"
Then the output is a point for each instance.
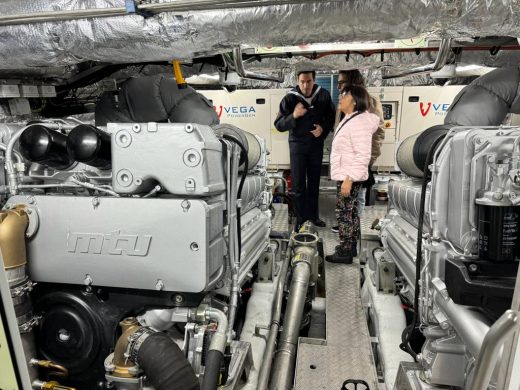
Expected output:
(132, 8)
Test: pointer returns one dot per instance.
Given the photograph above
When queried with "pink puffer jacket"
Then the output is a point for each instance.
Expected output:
(352, 147)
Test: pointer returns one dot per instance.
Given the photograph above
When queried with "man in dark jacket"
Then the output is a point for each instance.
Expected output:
(307, 112)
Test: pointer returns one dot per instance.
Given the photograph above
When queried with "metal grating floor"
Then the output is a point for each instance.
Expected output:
(280, 221)
(346, 353)
(367, 218)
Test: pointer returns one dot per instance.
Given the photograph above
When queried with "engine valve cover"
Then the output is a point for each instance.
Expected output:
(151, 244)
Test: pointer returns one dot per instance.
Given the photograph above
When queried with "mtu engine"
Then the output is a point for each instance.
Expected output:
(149, 230)
(453, 233)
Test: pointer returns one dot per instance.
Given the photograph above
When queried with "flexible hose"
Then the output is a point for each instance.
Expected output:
(212, 370)
(165, 364)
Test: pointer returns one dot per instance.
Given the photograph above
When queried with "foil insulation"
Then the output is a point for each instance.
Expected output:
(212, 28)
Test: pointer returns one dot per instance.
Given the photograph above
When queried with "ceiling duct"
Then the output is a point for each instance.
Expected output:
(52, 35)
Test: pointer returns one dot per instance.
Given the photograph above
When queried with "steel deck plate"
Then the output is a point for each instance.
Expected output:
(280, 221)
(346, 353)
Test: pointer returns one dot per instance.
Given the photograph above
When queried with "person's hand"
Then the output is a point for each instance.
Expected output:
(318, 130)
(299, 111)
(346, 186)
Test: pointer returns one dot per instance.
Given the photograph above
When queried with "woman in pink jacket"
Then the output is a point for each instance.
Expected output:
(349, 159)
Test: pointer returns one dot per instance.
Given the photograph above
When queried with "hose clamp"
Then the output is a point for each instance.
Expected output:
(27, 326)
(135, 340)
(23, 289)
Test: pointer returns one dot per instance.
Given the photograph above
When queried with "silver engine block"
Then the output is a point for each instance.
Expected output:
(472, 167)
(170, 224)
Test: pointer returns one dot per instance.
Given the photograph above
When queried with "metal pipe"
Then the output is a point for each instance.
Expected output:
(491, 345)
(239, 67)
(59, 369)
(17, 155)
(440, 61)
(232, 162)
(219, 339)
(263, 376)
(12, 178)
(285, 359)
(470, 325)
(93, 187)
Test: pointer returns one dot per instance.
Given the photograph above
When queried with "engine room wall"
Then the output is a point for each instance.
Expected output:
(407, 111)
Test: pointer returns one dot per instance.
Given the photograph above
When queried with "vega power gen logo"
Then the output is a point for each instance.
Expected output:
(433, 108)
(236, 111)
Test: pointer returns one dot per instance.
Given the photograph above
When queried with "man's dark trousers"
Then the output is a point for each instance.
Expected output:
(305, 171)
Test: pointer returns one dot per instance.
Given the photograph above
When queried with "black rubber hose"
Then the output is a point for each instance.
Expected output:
(212, 370)
(246, 161)
(165, 365)
(242, 180)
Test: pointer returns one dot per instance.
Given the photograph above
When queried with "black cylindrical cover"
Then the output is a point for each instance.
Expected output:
(412, 152)
(45, 146)
(89, 145)
(428, 139)
(498, 228)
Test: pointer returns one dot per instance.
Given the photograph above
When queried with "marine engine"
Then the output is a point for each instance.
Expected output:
(451, 239)
(130, 247)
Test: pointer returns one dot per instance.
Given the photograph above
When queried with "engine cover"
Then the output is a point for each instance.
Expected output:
(186, 159)
(150, 244)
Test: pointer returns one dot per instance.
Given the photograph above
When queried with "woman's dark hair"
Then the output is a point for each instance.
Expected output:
(353, 77)
(360, 96)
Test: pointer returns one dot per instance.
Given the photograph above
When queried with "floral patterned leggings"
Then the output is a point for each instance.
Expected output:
(348, 220)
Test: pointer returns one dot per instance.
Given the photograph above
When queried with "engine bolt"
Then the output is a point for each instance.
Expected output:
(159, 285)
(178, 298)
(88, 280)
(473, 268)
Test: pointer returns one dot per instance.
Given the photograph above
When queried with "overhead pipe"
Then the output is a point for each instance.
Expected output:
(239, 68)
(173, 6)
(256, 23)
(442, 57)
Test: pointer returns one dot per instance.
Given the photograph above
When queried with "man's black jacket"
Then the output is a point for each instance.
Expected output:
(320, 110)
